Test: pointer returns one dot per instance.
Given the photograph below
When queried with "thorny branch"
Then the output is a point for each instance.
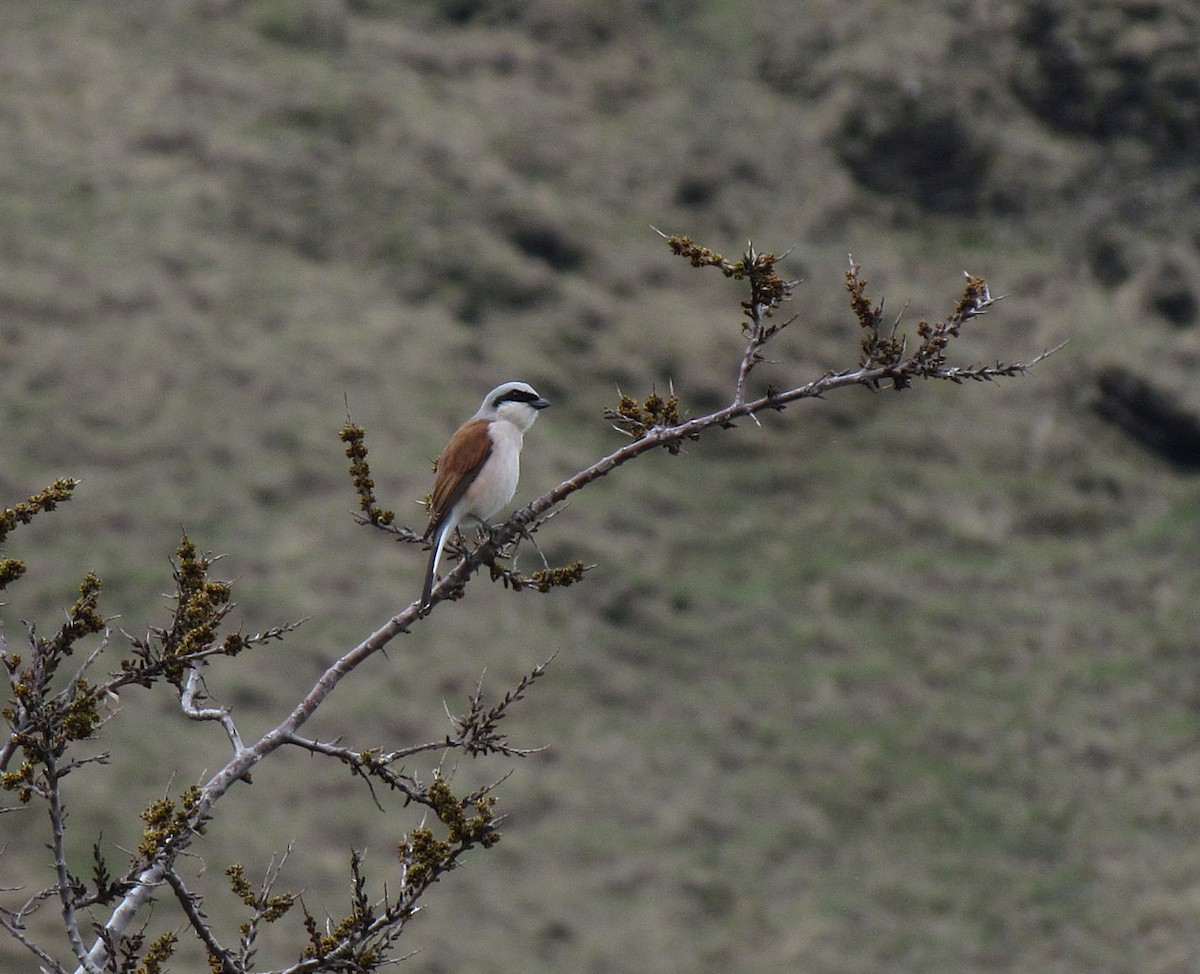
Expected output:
(42, 724)
(189, 902)
(656, 422)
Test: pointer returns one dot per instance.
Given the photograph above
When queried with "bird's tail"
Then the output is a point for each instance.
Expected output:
(435, 557)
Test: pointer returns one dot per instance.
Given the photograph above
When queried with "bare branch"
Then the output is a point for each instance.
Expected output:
(189, 902)
(65, 887)
(17, 932)
(192, 692)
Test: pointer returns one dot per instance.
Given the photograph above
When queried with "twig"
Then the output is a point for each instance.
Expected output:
(66, 899)
(17, 932)
(187, 702)
(189, 903)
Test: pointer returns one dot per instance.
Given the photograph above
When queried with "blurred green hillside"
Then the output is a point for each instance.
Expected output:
(895, 683)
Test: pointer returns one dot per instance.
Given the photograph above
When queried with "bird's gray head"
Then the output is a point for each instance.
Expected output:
(516, 402)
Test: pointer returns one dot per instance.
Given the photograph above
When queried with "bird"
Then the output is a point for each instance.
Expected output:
(477, 472)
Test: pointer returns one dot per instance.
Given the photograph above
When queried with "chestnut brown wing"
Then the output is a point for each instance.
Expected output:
(458, 466)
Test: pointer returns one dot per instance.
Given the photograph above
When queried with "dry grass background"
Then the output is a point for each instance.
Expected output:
(894, 683)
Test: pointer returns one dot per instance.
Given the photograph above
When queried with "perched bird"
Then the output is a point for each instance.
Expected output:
(478, 470)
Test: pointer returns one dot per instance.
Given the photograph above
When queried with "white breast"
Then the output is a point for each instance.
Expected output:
(497, 481)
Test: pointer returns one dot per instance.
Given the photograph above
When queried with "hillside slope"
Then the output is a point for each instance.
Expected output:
(909, 685)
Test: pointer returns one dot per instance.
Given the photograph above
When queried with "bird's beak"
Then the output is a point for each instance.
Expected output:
(540, 403)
